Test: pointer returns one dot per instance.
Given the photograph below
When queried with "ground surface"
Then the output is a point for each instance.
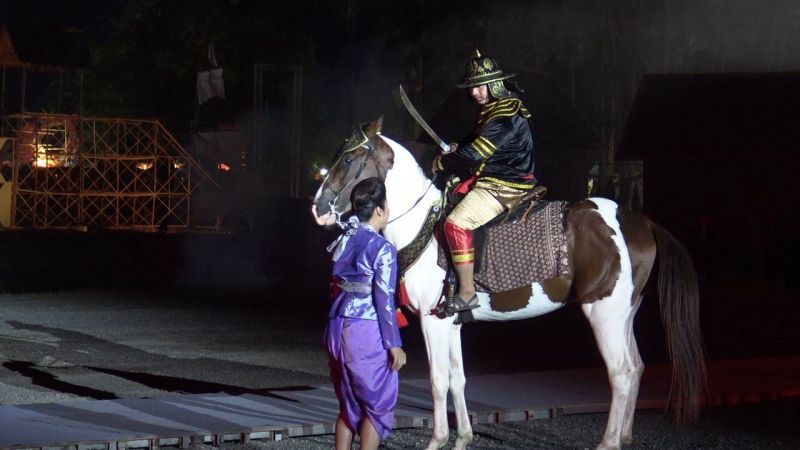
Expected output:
(761, 426)
(62, 346)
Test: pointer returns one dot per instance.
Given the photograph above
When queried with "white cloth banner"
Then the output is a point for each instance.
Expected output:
(210, 85)
(212, 55)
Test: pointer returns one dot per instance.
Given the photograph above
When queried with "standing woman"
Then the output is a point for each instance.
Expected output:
(362, 338)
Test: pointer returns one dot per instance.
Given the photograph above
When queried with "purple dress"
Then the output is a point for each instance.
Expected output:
(362, 326)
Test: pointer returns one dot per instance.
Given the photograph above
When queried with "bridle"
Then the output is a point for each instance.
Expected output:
(367, 144)
(370, 146)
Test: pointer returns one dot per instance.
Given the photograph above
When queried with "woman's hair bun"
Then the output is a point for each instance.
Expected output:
(367, 195)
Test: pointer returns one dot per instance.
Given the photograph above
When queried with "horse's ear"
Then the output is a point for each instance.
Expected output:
(375, 127)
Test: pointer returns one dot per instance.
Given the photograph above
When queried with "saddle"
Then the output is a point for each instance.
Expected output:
(533, 224)
(519, 211)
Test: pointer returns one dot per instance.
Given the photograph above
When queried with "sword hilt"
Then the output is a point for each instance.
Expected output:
(450, 303)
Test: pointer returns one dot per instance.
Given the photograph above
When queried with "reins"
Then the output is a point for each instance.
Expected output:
(415, 203)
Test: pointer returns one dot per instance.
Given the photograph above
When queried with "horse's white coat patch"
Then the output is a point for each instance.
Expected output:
(538, 305)
(611, 319)
(617, 306)
(608, 211)
(405, 183)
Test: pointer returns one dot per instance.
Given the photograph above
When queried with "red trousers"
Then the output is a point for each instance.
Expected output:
(460, 241)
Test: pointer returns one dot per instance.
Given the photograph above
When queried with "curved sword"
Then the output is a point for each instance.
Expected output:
(413, 111)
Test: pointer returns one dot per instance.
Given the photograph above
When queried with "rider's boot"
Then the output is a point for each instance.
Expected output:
(465, 298)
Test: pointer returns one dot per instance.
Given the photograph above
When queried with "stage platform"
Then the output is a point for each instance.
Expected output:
(182, 420)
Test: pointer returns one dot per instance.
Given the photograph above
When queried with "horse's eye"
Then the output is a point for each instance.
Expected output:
(347, 161)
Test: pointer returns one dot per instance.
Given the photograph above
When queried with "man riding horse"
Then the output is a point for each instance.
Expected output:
(496, 164)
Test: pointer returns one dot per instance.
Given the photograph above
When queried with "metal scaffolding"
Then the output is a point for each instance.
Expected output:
(69, 171)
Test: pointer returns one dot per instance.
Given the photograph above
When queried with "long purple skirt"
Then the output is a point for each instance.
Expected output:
(361, 371)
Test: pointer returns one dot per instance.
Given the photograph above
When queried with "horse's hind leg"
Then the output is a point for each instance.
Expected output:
(457, 383)
(437, 343)
(633, 395)
(610, 318)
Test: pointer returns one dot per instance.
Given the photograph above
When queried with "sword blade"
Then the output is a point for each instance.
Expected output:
(418, 118)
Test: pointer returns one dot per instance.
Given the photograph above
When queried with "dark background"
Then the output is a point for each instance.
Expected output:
(142, 59)
(143, 55)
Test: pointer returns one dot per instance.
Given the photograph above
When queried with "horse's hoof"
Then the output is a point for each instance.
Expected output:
(436, 444)
(627, 440)
(433, 446)
(608, 447)
(462, 442)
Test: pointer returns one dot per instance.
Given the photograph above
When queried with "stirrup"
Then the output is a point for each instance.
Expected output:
(449, 307)
(460, 304)
(443, 309)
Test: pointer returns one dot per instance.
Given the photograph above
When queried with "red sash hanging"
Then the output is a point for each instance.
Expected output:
(402, 300)
(465, 186)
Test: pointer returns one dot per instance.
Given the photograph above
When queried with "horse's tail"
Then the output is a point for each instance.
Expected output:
(680, 313)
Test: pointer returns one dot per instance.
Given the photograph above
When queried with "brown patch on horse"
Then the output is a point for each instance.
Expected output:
(512, 300)
(594, 255)
(641, 244)
(557, 289)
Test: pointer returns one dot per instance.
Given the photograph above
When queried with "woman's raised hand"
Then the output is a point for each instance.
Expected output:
(327, 219)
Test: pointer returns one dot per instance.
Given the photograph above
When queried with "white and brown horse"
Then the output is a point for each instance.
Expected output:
(612, 252)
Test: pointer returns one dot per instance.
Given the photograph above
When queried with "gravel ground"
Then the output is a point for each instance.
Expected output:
(219, 343)
(770, 425)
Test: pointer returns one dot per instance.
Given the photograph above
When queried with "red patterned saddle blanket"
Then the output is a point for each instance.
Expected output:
(518, 254)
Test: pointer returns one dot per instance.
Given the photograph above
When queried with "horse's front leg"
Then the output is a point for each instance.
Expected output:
(457, 384)
(437, 343)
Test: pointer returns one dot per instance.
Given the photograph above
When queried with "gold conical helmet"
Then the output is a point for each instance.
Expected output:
(482, 70)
